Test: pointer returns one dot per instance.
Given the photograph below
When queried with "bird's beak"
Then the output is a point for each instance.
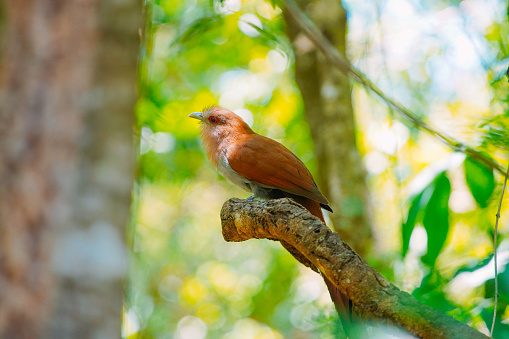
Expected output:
(196, 115)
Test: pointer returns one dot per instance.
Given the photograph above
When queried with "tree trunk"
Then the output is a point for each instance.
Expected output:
(328, 106)
(67, 91)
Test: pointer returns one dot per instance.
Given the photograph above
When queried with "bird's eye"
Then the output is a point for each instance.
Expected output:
(213, 119)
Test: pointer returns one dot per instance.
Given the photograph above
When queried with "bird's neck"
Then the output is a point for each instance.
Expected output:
(217, 139)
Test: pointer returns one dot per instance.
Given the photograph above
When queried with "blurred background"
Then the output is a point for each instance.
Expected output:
(418, 205)
(420, 213)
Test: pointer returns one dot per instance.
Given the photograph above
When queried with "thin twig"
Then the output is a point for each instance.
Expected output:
(331, 53)
(495, 252)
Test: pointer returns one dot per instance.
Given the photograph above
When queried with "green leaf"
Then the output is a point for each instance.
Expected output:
(145, 111)
(197, 29)
(274, 3)
(271, 38)
(474, 265)
(436, 218)
(501, 330)
(480, 181)
(503, 286)
(408, 226)
(431, 292)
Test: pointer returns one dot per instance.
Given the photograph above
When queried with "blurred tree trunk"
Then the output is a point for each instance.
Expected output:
(328, 107)
(67, 90)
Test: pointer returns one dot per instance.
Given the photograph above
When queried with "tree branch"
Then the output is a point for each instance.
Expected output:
(344, 65)
(373, 296)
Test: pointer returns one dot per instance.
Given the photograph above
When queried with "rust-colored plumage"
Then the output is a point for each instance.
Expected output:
(262, 166)
(273, 166)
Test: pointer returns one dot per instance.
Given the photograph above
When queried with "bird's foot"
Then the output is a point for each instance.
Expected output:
(251, 197)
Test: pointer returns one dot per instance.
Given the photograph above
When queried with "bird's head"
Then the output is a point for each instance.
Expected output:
(220, 121)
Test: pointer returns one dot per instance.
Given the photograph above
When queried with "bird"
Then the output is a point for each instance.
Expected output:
(265, 168)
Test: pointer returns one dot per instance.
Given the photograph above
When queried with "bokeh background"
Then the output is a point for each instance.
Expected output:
(432, 209)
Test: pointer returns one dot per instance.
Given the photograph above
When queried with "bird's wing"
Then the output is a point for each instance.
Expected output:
(271, 165)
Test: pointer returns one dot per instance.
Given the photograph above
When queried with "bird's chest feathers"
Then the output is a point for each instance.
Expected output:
(217, 147)
(223, 167)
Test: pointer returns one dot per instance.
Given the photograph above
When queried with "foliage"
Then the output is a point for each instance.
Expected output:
(185, 280)
(480, 181)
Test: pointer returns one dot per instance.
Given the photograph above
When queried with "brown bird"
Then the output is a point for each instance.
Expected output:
(264, 167)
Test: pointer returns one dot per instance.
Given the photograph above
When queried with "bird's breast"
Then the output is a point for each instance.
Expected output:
(223, 167)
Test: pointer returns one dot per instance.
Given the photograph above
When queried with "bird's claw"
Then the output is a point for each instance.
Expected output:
(251, 197)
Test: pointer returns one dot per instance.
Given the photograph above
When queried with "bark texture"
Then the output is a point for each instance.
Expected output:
(326, 92)
(373, 296)
(67, 91)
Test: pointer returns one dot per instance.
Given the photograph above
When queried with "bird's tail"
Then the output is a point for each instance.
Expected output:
(341, 302)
